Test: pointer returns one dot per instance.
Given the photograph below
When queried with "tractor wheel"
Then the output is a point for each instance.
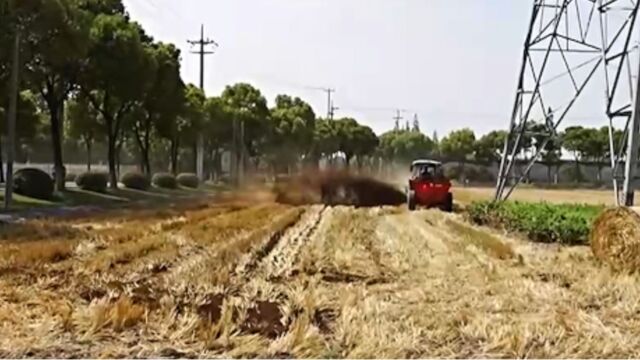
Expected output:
(411, 200)
(448, 203)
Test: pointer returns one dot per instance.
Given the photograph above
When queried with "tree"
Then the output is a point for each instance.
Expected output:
(488, 149)
(118, 73)
(28, 116)
(436, 143)
(83, 124)
(27, 121)
(58, 43)
(107, 7)
(346, 131)
(459, 145)
(386, 147)
(365, 143)
(219, 130)
(575, 139)
(598, 148)
(246, 105)
(416, 124)
(325, 139)
(292, 130)
(405, 146)
(163, 99)
(194, 118)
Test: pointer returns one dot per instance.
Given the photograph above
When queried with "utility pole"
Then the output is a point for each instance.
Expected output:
(11, 126)
(330, 108)
(332, 111)
(398, 118)
(202, 42)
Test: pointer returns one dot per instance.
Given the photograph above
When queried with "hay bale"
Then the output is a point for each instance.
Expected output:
(615, 238)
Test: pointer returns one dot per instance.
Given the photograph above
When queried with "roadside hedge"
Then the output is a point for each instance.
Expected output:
(93, 181)
(164, 181)
(33, 183)
(136, 181)
(188, 180)
(541, 222)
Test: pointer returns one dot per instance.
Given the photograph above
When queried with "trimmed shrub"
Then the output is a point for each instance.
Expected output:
(189, 180)
(93, 181)
(33, 183)
(540, 222)
(164, 181)
(70, 177)
(136, 181)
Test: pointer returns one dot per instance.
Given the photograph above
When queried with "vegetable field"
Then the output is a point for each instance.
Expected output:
(248, 278)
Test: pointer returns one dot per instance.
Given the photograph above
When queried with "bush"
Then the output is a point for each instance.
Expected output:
(70, 177)
(164, 181)
(136, 181)
(93, 181)
(540, 222)
(33, 183)
(189, 180)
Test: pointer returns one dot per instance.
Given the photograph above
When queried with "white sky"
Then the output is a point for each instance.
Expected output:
(454, 62)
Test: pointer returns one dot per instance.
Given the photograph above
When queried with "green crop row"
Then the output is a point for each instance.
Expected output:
(540, 222)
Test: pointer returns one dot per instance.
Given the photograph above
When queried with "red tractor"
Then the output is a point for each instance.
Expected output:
(428, 187)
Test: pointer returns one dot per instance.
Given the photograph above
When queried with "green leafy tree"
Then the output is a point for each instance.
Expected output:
(366, 142)
(416, 124)
(163, 99)
(576, 140)
(82, 124)
(459, 146)
(218, 130)
(292, 130)
(488, 149)
(409, 146)
(107, 7)
(598, 148)
(386, 148)
(118, 73)
(346, 131)
(325, 139)
(405, 146)
(194, 117)
(246, 105)
(28, 119)
(56, 46)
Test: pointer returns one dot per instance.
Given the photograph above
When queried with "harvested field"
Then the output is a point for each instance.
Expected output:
(465, 195)
(238, 279)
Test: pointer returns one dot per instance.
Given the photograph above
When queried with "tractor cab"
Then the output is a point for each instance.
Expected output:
(428, 187)
(426, 170)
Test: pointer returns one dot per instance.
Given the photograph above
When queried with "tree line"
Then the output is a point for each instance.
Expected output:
(92, 75)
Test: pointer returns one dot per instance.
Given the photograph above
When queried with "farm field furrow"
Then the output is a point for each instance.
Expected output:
(270, 280)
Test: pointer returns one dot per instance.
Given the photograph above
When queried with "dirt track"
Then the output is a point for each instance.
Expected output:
(311, 281)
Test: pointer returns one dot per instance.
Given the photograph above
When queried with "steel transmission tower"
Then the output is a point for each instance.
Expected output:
(572, 44)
